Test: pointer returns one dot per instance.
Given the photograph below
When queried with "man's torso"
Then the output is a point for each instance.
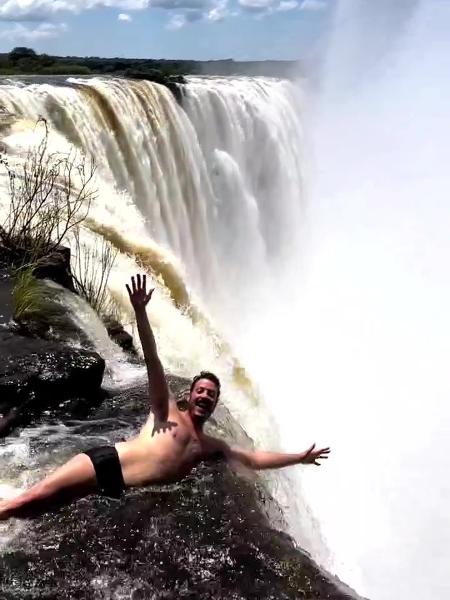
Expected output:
(164, 456)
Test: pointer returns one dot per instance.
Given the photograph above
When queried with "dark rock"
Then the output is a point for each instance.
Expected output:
(177, 90)
(54, 322)
(6, 287)
(56, 266)
(206, 537)
(36, 375)
(118, 334)
(175, 83)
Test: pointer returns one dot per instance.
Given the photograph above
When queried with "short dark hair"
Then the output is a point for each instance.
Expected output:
(206, 375)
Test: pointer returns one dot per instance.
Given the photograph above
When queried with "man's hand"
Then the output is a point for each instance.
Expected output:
(259, 459)
(139, 297)
(158, 388)
(312, 456)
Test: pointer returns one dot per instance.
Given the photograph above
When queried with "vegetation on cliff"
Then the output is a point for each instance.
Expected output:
(25, 61)
(50, 194)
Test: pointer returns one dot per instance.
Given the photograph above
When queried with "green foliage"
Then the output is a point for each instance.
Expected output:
(50, 196)
(20, 53)
(58, 69)
(30, 296)
(25, 60)
(91, 268)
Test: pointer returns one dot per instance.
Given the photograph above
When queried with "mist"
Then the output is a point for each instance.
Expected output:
(372, 325)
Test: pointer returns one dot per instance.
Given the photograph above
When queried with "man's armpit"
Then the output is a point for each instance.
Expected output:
(217, 456)
(217, 450)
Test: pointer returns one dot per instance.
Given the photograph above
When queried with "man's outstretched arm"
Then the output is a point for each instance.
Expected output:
(159, 390)
(258, 459)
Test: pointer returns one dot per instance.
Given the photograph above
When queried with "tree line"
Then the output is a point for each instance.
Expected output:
(26, 61)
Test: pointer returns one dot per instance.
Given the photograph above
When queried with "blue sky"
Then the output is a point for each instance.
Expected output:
(197, 29)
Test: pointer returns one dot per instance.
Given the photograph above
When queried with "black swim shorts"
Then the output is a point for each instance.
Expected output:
(108, 470)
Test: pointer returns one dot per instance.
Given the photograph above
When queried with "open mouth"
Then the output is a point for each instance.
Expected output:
(203, 404)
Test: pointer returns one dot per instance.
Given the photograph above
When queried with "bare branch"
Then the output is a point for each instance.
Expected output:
(50, 194)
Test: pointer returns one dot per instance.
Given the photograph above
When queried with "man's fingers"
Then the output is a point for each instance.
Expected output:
(138, 279)
(149, 295)
(133, 285)
(128, 289)
(322, 451)
(310, 449)
(144, 282)
(316, 463)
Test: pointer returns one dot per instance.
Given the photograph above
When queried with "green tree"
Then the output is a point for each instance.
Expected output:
(20, 52)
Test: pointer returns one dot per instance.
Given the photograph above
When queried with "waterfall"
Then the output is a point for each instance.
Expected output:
(180, 191)
(373, 320)
(327, 319)
(207, 197)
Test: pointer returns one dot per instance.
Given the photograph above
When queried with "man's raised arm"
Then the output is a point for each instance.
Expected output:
(258, 459)
(159, 390)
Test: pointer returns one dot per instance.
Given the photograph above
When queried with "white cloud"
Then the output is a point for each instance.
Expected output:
(44, 10)
(256, 5)
(219, 12)
(176, 22)
(287, 5)
(40, 10)
(31, 34)
(263, 8)
(181, 4)
(183, 11)
(193, 10)
(313, 5)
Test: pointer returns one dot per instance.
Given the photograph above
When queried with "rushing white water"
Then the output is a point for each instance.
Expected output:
(342, 323)
(372, 328)
(182, 196)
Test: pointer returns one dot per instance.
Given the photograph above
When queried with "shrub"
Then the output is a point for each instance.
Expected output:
(91, 268)
(50, 196)
(30, 296)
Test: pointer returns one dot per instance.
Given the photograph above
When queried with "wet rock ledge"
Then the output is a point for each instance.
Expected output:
(210, 537)
(37, 374)
(213, 536)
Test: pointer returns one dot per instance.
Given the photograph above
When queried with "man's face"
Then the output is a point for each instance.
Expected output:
(203, 398)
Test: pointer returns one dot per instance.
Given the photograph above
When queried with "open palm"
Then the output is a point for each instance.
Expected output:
(139, 296)
(313, 455)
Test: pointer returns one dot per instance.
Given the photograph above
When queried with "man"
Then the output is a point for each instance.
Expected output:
(166, 449)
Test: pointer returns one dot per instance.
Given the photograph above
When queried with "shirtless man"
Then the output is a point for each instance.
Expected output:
(166, 449)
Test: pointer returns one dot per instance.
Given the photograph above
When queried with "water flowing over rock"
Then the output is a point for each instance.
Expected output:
(36, 375)
(206, 197)
(207, 537)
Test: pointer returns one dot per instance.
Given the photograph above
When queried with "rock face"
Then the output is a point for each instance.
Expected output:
(118, 335)
(57, 322)
(56, 266)
(36, 375)
(204, 538)
(175, 83)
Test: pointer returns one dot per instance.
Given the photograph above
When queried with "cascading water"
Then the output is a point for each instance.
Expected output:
(372, 329)
(182, 196)
(209, 198)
